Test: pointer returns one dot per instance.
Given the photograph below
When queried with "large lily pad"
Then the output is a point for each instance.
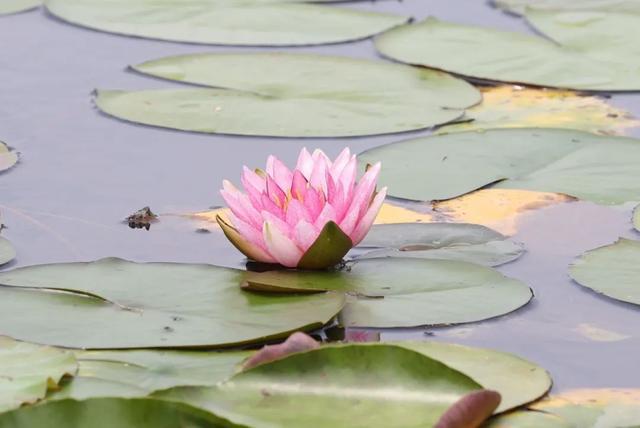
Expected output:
(449, 241)
(292, 95)
(601, 169)
(15, 6)
(27, 371)
(114, 303)
(338, 386)
(406, 292)
(7, 252)
(594, 52)
(109, 413)
(8, 157)
(517, 380)
(612, 270)
(140, 373)
(225, 22)
(520, 6)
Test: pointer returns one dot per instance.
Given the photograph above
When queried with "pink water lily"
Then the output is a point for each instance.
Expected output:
(307, 218)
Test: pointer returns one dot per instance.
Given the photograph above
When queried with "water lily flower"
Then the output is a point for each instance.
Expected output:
(308, 218)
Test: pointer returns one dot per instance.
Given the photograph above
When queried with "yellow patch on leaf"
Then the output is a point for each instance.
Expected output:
(516, 107)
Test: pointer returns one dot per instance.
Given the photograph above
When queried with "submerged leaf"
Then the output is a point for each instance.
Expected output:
(292, 95)
(449, 241)
(297, 342)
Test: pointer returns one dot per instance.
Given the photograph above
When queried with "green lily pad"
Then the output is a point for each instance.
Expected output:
(612, 270)
(292, 95)
(601, 169)
(8, 157)
(588, 51)
(405, 292)
(140, 373)
(618, 6)
(7, 252)
(109, 413)
(449, 241)
(337, 386)
(636, 218)
(226, 22)
(27, 371)
(517, 380)
(15, 6)
(113, 303)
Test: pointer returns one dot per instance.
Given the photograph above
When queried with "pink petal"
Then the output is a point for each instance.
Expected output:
(279, 172)
(306, 235)
(326, 215)
(253, 236)
(268, 205)
(318, 155)
(340, 162)
(299, 186)
(240, 205)
(313, 202)
(296, 212)
(319, 174)
(348, 177)
(280, 247)
(305, 163)
(275, 192)
(367, 220)
(282, 225)
(253, 180)
(361, 199)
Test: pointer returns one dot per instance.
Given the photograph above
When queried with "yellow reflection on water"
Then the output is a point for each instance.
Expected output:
(499, 209)
(594, 397)
(515, 107)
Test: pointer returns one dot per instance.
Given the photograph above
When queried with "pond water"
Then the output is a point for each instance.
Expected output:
(82, 173)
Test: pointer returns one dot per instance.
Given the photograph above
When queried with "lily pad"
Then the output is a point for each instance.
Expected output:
(636, 218)
(612, 270)
(449, 241)
(601, 169)
(15, 6)
(7, 252)
(619, 6)
(113, 303)
(140, 373)
(584, 408)
(8, 157)
(109, 413)
(27, 371)
(292, 95)
(226, 22)
(509, 106)
(517, 380)
(593, 52)
(406, 292)
(337, 386)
